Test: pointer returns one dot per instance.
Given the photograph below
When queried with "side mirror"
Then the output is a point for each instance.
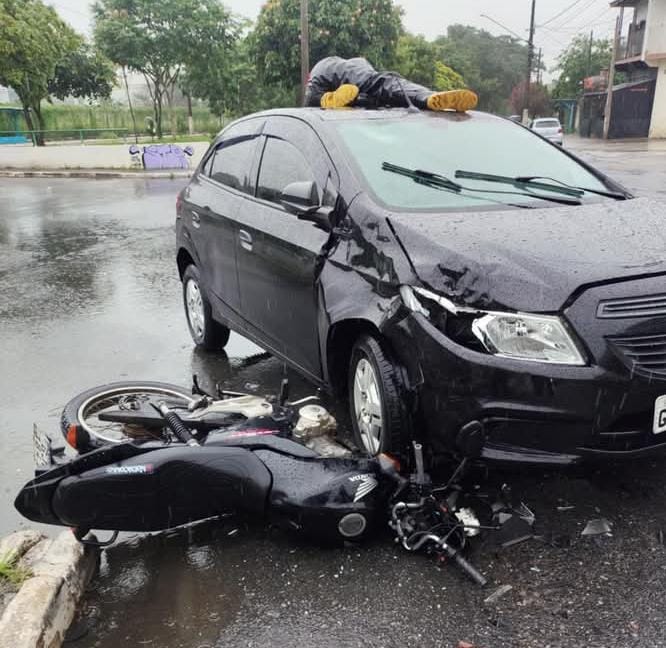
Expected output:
(300, 197)
(302, 200)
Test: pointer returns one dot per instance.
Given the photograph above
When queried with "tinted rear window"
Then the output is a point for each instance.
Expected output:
(547, 123)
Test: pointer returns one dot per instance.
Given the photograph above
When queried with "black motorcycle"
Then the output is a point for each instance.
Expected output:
(152, 456)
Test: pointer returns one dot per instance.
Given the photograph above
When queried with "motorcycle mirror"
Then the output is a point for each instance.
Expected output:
(471, 439)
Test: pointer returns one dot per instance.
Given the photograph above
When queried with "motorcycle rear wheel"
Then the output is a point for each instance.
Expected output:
(80, 423)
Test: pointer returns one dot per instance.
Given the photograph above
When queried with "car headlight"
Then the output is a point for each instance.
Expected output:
(537, 338)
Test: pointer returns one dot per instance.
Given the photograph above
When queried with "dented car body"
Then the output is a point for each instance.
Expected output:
(504, 280)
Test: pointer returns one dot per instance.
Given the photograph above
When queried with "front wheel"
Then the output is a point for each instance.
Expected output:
(377, 413)
(82, 421)
(205, 331)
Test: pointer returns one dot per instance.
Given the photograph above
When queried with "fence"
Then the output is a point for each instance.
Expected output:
(63, 135)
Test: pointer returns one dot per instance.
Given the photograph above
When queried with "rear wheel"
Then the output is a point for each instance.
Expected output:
(205, 331)
(378, 418)
(82, 421)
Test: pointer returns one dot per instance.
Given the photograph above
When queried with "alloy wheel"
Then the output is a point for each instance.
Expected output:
(368, 406)
(195, 308)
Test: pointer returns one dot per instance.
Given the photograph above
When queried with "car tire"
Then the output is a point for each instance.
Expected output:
(378, 417)
(205, 331)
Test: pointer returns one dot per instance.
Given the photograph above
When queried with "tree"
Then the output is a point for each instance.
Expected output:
(416, 59)
(491, 65)
(347, 28)
(447, 78)
(83, 72)
(33, 41)
(539, 104)
(220, 70)
(159, 38)
(577, 61)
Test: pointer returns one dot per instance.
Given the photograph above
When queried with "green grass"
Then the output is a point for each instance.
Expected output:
(12, 572)
(112, 119)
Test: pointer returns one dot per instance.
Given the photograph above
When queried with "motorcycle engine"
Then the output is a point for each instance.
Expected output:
(314, 428)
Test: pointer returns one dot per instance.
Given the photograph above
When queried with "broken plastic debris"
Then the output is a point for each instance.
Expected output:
(525, 513)
(498, 593)
(514, 529)
(468, 518)
(599, 526)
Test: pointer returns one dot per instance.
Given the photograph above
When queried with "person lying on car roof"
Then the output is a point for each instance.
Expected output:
(337, 83)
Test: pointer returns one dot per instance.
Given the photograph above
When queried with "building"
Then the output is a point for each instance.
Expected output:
(641, 56)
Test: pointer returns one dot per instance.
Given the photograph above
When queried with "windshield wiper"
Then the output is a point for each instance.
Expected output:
(608, 194)
(532, 182)
(423, 177)
(437, 181)
(521, 182)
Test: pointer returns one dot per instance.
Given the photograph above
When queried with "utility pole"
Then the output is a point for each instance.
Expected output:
(611, 73)
(305, 48)
(538, 68)
(589, 54)
(530, 61)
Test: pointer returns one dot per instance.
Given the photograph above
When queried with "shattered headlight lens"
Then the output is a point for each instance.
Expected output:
(537, 338)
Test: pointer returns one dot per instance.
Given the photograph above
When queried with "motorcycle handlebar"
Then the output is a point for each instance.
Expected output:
(471, 571)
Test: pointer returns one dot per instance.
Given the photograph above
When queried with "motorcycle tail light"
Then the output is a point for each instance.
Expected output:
(77, 437)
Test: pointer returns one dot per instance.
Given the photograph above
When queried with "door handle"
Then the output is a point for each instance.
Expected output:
(245, 240)
(196, 220)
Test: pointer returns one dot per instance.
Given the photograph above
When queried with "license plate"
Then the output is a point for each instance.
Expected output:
(41, 448)
(659, 424)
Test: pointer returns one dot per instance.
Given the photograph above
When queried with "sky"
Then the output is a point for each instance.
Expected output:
(431, 18)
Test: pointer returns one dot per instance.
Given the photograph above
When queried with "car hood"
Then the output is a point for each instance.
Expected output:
(533, 259)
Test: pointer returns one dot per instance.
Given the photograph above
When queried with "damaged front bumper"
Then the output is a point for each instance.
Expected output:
(532, 412)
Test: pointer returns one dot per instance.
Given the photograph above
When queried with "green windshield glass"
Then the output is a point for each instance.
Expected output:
(442, 144)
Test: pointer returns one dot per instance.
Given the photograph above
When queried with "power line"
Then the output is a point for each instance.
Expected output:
(579, 26)
(556, 16)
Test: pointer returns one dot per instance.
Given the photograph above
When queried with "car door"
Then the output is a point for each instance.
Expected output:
(227, 176)
(277, 252)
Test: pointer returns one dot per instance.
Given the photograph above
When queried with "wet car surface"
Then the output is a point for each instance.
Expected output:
(511, 298)
(89, 294)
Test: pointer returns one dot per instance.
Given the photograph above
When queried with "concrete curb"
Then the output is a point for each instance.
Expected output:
(92, 173)
(42, 610)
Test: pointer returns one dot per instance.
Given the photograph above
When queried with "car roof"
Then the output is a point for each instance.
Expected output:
(316, 116)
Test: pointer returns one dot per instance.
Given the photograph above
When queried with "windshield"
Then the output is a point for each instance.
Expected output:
(442, 145)
(546, 123)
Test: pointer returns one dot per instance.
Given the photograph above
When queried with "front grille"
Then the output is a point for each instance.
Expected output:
(632, 307)
(643, 354)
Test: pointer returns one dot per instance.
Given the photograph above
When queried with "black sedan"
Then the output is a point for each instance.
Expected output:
(435, 269)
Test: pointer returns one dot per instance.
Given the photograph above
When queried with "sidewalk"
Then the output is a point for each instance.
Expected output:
(87, 157)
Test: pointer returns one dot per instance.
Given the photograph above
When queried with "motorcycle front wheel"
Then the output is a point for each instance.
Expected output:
(82, 422)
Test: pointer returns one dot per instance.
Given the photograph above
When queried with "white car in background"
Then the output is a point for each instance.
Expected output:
(550, 128)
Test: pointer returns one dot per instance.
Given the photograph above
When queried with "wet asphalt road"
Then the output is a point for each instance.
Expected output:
(89, 294)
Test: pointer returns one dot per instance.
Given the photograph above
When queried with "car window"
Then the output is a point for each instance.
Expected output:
(443, 144)
(281, 164)
(547, 123)
(231, 164)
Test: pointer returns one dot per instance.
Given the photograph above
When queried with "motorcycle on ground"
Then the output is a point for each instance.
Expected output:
(153, 456)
